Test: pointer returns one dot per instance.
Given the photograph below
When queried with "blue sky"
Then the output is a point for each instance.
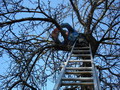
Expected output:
(5, 60)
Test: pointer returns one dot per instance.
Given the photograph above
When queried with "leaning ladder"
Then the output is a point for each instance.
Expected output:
(79, 71)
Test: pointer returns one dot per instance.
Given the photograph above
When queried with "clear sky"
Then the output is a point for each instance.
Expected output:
(5, 60)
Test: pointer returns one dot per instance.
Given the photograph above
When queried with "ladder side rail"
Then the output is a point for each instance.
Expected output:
(58, 84)
(98, 82)
(95, 77)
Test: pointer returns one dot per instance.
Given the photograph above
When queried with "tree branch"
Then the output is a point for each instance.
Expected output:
(77, 13)
(24, 19)
(111, 43)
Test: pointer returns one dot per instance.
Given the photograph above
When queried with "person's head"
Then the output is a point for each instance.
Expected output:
(66, 32)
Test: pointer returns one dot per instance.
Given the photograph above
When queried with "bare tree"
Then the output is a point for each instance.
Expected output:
(25, 37)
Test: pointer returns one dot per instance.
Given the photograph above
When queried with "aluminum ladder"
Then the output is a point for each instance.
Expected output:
(79, 71)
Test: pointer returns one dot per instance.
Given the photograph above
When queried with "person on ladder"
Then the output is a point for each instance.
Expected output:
(71, 35)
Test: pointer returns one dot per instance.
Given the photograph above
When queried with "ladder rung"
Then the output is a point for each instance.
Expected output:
(78, 68)
(81, 50)
(78, 79)
(81, 47)
(81, 72)
(81, 83)
(79, 60)
(79, 55)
